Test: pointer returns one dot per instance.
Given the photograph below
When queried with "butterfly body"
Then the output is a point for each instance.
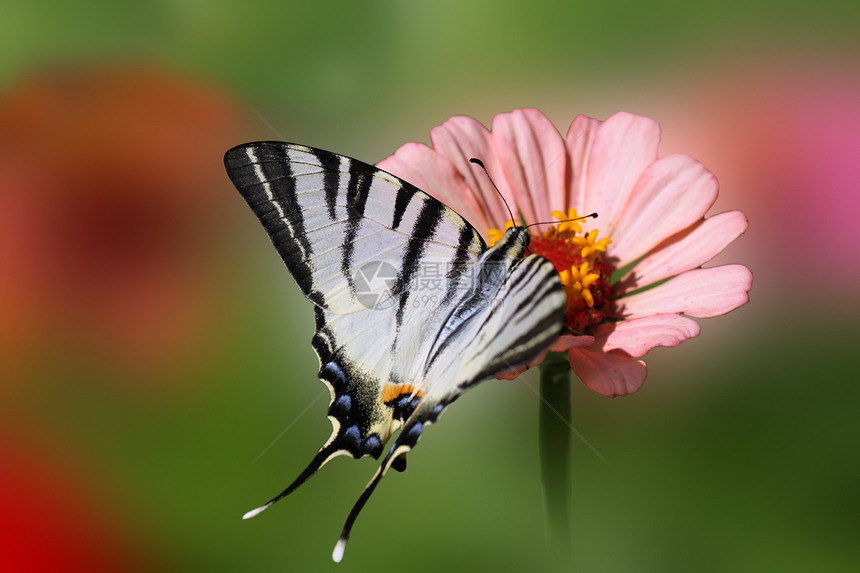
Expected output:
(412, 308)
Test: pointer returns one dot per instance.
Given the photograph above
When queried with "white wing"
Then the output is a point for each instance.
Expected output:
(359, 243)
(512, 325)
(330, 215)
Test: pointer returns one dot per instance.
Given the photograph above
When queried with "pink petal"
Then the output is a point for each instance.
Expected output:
(700, 293)
(534, 161)
(624, 146)
(612, 373)
(435, 175)
(561, 344)
(672, 194)
(637, 337)
(462, 138)
(691, 248)
(568, 341)
(579, 140)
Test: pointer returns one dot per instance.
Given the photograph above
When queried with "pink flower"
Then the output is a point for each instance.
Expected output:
(651, 212)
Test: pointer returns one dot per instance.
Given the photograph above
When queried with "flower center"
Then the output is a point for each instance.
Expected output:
(578, 258)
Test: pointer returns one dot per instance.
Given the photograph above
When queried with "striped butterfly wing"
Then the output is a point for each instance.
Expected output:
(329, 215)
(500, 326)
(356, 240)
(395, 349)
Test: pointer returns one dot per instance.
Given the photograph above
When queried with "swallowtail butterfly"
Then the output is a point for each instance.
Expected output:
(395, 347)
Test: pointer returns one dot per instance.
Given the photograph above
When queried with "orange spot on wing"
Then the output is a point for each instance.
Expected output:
(394, 391)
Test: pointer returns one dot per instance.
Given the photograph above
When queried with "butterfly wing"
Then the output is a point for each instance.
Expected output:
(329, 216)
(393, 352)
(517, 321)
(358, 241)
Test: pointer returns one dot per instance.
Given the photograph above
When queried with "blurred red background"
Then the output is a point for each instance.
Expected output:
(154, 358)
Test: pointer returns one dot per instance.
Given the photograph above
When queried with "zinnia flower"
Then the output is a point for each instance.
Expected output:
(632, 275)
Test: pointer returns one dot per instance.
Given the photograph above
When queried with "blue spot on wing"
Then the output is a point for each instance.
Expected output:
(334, 374)
(411, 434)
(373, 446)
(340, 407)
(351, 438)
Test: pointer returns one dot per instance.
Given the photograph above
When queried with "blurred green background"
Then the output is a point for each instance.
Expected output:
(157, 374)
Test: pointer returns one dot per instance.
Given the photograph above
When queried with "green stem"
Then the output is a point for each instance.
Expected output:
(555, 436)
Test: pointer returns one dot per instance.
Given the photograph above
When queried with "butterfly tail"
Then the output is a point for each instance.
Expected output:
(405, 442)
(340, 546)
(323, 456)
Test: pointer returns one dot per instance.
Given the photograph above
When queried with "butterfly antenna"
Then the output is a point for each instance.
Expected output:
(319, 460)
(480, 163)
(589, 216)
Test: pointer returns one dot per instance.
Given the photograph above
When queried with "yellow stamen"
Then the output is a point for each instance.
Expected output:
(494, 234)
(589, 246)
(567, 226)
(586, 296)
(565, 242)
(565, 277)
(578, 279)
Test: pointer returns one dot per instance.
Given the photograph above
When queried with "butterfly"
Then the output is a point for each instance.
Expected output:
(412, 307)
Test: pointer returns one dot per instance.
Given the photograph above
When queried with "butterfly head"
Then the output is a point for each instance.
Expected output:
(514, 242)
(518, 235)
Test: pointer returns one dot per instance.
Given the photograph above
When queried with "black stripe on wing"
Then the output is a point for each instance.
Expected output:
(356, 199)
(330, 164)
(400, 205)
(263, 176)
(460, 263)
(423, 230)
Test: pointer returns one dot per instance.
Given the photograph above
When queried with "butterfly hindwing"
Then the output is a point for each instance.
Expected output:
(507, 289)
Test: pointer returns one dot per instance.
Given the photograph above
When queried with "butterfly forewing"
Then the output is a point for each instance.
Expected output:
(329, 216)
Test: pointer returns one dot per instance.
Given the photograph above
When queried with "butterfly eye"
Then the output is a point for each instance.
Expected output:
(525, 236)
